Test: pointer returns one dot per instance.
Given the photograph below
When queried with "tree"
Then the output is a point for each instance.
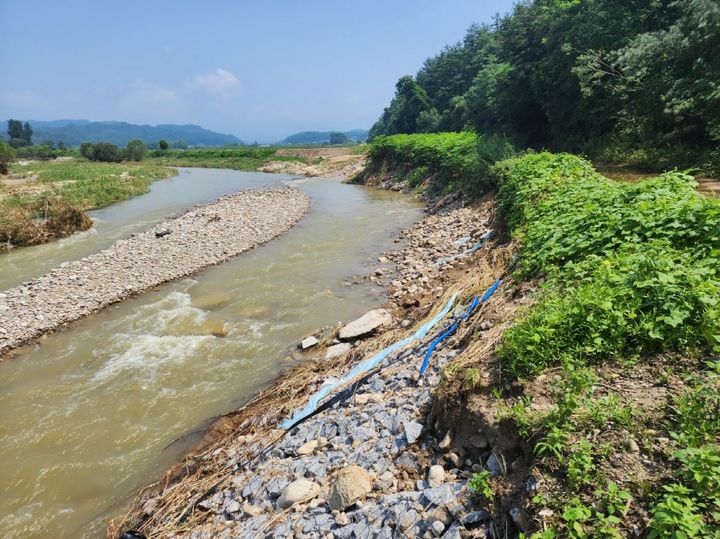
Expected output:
(87, 150)
(405, 109)
(27, 134)
(106, 152)
(135, 150)
(7, 156)
(338, 138)
(163, 144)
(16, 133)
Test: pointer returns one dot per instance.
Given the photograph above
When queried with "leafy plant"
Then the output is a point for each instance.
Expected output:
(480, 486)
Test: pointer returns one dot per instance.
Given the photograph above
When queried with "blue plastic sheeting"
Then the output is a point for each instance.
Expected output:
(453, 328)
(473, 249)
(330, 385)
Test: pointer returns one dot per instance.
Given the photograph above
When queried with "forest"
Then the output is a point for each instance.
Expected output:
(635, 81)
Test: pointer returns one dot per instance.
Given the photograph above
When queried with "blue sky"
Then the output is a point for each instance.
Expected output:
(259, 70)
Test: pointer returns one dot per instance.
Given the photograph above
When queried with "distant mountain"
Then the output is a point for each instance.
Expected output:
(323, 137)
(75, 132)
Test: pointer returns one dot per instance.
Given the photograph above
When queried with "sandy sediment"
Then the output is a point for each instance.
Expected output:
(203, 236)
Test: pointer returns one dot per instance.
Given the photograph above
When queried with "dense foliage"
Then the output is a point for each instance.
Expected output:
(632, 272)
(19, 134)
(613, 79)
(633, 268)
(457, 161)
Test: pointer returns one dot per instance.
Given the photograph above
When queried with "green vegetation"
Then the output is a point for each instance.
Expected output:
(53, 203)
(323, 137)
(632, 271)
(621, 81)
(456, 161)
(7, 156)
(19, 134)
(242, 158)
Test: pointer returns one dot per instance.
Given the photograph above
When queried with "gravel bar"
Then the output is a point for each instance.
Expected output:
(201, 237)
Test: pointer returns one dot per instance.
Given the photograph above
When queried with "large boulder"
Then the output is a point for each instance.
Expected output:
(366, 324)
(350, 484)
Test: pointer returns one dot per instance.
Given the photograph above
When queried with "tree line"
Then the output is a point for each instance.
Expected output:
(596, 76)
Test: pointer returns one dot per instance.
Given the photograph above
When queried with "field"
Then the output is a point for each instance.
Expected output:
(242, 158)
(40, 201)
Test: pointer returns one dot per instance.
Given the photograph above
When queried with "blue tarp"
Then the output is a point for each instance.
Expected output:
(330, 385)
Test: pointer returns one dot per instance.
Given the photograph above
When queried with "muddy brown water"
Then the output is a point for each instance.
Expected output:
(92, 413)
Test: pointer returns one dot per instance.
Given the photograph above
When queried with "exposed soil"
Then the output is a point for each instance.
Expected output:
(338, 161)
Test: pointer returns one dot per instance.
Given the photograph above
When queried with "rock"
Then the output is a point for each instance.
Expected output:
(405, 323)
(307, 448)
(412, 431)
(436, 475)
(437, 528)
(300, 490)
(341, 519)
(366, 324)
(493, 465)
(446, 441)
(308, 342)
(632, 446)
(233, 506)
(350, 484)
(251, 510)
(454, 459)
(479, 441)
(337, 350)
(474, 517)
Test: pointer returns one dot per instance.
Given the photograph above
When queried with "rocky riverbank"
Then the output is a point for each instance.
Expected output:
(203, 236)
(371, 465)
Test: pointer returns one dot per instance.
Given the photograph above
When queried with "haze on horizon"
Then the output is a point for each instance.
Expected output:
(260, 71)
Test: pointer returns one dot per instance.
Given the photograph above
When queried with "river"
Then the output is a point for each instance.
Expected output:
(90, 414)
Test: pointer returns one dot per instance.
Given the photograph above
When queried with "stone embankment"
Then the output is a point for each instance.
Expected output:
(371, 465)
(203, 236)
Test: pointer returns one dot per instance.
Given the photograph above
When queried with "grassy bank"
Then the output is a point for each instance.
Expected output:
(439, 163)
(607, 372)
(241, 158)
(631, 282)
(40, 201)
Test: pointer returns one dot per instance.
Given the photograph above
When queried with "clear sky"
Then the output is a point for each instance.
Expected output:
(258, 70)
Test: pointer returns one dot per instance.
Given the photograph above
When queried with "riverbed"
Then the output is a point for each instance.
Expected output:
(94, 412)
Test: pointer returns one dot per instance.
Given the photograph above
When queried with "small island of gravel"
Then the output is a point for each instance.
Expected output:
(201, 237)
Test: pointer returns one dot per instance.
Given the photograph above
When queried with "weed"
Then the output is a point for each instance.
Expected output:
(480, 486)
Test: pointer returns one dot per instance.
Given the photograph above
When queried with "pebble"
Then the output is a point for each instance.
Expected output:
(308, 342)
(436, 475)
(412, 431)
(300, 490)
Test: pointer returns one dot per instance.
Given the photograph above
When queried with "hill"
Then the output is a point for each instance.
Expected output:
(75, 132)
(323, 137)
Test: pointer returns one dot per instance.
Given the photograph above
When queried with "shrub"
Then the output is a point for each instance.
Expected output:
(7, 156)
